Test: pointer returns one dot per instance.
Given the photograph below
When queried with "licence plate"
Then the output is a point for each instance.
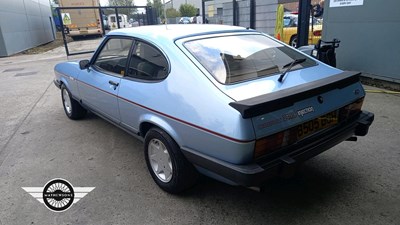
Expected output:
(315, 125)
(83, 31)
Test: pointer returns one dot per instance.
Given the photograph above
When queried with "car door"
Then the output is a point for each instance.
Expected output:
(100, 83)
(141, 84)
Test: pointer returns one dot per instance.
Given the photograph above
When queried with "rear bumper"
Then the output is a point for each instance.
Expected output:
(255, 174)
(88, 32)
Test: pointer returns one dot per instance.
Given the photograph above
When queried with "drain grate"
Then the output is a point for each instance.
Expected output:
(25, 74)
(13, 70)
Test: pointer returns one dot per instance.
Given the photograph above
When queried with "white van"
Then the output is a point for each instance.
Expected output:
(123, 21)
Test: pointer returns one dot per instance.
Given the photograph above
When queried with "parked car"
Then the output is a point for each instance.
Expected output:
(133, 22)
(290, 22)
(239, 115)
(185, 20)
(122, 20)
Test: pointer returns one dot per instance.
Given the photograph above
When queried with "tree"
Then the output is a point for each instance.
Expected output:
(172, 13)
(54, 4)
(187, 10)
(127, 12)
(157, 6)
(121, 2)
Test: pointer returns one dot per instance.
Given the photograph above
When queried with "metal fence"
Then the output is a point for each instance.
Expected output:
(82, 23)
(255, 14)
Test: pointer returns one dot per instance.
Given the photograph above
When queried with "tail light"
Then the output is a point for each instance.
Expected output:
(268, 144)
(317, 33)
(351, 109)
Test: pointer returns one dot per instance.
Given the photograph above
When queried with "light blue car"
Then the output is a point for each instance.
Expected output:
(227, 102)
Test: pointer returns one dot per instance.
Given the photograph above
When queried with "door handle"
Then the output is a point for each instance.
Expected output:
(115, 84)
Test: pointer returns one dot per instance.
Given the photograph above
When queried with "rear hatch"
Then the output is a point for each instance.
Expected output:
(281, 90)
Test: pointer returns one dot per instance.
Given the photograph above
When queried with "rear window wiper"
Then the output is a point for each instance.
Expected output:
(289, 66)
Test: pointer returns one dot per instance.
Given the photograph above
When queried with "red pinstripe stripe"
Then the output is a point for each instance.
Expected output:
(171, 117)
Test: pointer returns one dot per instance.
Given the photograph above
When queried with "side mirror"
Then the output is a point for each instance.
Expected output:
(84, 64)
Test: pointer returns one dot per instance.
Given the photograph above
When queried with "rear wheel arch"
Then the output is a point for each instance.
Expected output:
(145, 127)
(161, 124)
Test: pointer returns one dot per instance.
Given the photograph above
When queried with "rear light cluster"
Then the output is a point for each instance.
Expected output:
(351, 110)
(290, 136)
(317, 33)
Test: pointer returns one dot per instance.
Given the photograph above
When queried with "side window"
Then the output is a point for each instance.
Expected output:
(114, 56)
(147, 63)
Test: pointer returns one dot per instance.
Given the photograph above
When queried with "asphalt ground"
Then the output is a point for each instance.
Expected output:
(352, 183)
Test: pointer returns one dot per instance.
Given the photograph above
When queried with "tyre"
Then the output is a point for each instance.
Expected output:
(293, 41)
(72, 108)
(167, 165)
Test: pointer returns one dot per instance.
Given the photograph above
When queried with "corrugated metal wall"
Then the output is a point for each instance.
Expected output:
(370, 37)
(265, 14)
(221, 11)
(24, 24)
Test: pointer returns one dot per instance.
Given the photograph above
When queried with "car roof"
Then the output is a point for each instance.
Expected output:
(175, 31)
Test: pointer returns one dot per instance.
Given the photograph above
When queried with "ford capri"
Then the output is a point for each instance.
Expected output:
(227, 102)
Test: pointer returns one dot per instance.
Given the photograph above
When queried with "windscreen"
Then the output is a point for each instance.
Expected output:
(232, 59)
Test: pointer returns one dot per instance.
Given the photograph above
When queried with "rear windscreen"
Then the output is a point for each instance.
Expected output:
(232, 59)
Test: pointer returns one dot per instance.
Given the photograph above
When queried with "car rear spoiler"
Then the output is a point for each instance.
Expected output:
(285, 98)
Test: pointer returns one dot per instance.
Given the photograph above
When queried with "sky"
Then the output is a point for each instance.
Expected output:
(137, 2)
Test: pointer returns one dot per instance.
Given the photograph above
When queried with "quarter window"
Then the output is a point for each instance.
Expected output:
(147, 63)
(114, 56)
